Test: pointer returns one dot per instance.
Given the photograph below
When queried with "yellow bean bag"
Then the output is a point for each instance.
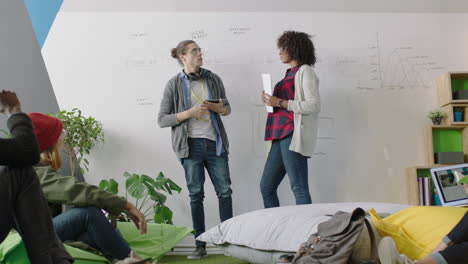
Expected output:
(418, 230)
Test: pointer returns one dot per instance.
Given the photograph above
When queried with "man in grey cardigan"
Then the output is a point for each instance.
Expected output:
(192, 105)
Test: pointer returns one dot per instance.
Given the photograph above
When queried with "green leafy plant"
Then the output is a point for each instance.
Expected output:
(148, 193)
(464, 180)
(109, 185)
(458, 109)
(8, 135)
(81, 135)
(436, 114)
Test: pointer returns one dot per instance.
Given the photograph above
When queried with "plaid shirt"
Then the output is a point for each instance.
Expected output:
(280, 123)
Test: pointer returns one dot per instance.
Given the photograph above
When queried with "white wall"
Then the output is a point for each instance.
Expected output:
(368, 137)
(377, 73)
(22, 68)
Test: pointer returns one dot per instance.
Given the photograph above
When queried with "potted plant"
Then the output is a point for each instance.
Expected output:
(81, 135)
(458, 114)
(148, 193)
(436, 116)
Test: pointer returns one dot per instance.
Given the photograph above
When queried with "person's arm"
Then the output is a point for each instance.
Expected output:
(66, 190)
(194, 112)
(22, 149)
(219, 107)
(442, 246)
(222, 107)
(137, 217)
(227, 106)
(167, 116)
(311, 102)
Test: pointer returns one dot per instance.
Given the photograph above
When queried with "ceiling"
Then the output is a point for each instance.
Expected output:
(422, 6)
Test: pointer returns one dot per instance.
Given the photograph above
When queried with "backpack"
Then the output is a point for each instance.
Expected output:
(334, 240)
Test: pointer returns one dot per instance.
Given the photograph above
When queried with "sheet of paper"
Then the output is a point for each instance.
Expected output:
(266, 79)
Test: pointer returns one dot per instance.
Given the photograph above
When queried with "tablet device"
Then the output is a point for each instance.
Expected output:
(451, 193)
(213, 100)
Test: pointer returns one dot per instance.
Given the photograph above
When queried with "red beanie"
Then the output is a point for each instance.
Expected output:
(47, 129)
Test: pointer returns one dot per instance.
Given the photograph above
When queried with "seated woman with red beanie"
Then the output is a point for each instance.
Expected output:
(85, 222)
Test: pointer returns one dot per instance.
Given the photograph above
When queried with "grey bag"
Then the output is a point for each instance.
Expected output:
(334, 241)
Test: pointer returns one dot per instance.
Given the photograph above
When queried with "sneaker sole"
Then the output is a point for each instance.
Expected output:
(200, 257)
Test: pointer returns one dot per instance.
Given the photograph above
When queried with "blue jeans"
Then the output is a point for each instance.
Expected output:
(90, 225)
(279, 162)
(202, 154)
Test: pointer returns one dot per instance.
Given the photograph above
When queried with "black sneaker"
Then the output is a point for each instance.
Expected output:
(199, 253)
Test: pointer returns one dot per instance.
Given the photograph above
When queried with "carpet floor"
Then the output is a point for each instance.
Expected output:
(211, 259)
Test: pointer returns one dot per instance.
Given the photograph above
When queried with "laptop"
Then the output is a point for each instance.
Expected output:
(451, 193)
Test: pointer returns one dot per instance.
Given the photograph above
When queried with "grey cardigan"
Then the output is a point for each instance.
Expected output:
(173, 102)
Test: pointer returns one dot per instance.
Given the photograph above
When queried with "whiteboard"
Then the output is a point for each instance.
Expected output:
(377, 82)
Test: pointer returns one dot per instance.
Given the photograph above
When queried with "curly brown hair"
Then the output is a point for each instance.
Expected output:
(299, 47)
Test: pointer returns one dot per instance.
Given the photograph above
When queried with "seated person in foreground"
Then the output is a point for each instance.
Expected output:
(85, 222)
(22, 204)
(452, 250)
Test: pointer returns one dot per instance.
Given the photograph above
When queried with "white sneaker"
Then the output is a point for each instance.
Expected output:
(132, 259)
(388, 253)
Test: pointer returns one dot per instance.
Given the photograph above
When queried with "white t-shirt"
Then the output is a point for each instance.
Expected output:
(200, 127)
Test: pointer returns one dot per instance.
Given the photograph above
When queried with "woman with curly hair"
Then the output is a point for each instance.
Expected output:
(292, 127)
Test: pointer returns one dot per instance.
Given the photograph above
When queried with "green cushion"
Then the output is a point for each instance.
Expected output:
(158, 240)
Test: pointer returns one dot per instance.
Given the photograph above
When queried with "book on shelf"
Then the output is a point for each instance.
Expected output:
(425, 191)
(420, 191)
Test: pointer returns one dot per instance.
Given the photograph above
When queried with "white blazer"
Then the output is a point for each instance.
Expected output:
(306, 106)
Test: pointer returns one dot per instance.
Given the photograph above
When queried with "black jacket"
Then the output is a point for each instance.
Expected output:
(22, 149)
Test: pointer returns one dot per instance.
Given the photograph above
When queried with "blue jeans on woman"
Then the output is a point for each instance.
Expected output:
(202, 154)
(90, 225)
(279, 162)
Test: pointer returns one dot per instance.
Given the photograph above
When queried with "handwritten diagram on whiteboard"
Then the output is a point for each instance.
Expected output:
(393, 68)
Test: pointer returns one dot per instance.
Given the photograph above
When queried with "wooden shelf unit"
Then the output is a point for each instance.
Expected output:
(412, 182)
(450, 119)
(446, 139)
(412, 186)
(451, 82)
(412, 175)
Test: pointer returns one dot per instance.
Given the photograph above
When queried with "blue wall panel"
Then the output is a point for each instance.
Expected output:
(42, 14)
